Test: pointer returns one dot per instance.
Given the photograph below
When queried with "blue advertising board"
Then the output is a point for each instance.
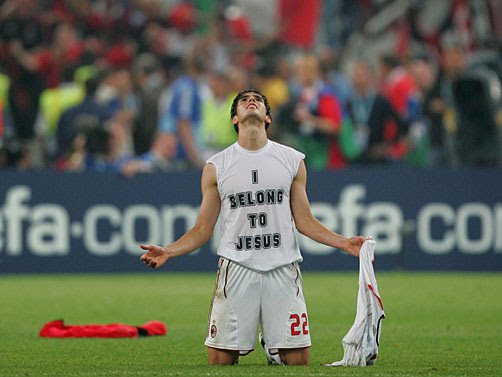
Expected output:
(94, 222)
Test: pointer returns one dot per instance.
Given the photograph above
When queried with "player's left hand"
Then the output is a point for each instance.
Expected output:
(355, 243)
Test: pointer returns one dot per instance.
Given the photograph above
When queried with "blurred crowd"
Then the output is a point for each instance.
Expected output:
(146, 85)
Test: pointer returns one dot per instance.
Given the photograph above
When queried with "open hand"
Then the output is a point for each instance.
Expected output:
(155, 256)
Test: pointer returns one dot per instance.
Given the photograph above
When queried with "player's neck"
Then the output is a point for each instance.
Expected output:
(252, 139)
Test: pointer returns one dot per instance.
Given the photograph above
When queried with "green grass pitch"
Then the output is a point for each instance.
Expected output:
(438, 324)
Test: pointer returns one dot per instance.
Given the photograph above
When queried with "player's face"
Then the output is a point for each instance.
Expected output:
(251, 105)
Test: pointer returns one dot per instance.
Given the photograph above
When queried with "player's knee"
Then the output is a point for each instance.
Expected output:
(296, 361)
(222, 357)
(295, 357)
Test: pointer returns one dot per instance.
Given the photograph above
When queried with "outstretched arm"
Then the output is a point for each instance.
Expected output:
(309, 226)
(199, 234)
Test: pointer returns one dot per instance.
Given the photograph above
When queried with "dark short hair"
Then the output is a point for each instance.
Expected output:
(233, 109)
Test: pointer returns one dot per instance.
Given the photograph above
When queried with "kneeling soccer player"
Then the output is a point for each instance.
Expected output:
(259, 281)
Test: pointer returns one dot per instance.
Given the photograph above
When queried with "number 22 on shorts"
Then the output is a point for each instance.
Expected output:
(299, 325)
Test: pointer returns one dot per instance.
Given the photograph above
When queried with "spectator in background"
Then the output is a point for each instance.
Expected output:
(97, 146)
(103, 147)
(62, 61)
(89, 111)
(334, 76)
(216, 127)
(442, 104)
(423, 69)
(477, 94)
(95, 150)
(319, 116)
(360, 101)
(149, 82)
(273, 78)
(181, 110)
(394, 108)
(22, 32)
(115, 92)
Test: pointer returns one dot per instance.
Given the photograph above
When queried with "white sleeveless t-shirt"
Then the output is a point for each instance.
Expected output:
(257, 228)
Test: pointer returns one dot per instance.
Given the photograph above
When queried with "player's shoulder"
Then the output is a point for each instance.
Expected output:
(287, 150)
(219, 159)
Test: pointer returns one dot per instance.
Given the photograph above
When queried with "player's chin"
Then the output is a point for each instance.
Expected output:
(253, 114)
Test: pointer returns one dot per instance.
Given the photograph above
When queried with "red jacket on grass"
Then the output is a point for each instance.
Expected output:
(57, 329)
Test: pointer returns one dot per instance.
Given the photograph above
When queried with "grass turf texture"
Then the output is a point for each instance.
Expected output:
(436, 325)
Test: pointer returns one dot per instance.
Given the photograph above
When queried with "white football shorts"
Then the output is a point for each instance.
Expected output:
(244, 299)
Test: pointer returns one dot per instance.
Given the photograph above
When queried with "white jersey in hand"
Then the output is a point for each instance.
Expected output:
(360, 344)
(257, 229)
